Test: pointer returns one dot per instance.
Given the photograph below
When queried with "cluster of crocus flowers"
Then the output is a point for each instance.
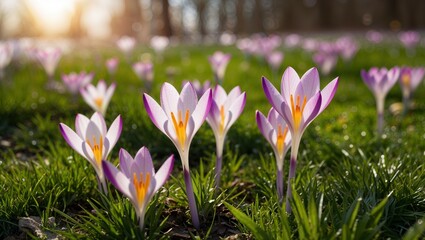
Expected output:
(144, 70)
(6, 54)
(299, 103)
(179, 117)
(275, 130)
(409, 80)
(225, 109)
(380, 81)
(137, 179)
(49, 58)
(218, 62)
(92, 140)
(274, 59)
(410, 39)
(75, 81)
(98, 97)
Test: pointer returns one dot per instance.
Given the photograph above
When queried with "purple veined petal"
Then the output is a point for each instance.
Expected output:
(328, 93)
(299, 92)
(263, 124)
(117, 178)
(311, 110)
(274, 97)
(114, 132)
(164, 172)
(169, 99)
(234, 93)
(202, 109)
(155, 112)
(219, 95)
(93, 134)
(170, 132)
(88, 154)
(125, 162)
(190, 131)
(98, 119)
(289, 83)
(311, 82)
(81, 123)
(143, 162)
(237, 108)
(287, 116)
(213, 117)
(72, 138)
(106, 148)
(188, 98)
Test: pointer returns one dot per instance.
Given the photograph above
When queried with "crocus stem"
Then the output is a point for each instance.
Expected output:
(141, 222)
(279, 184)
(406, 102)
(292, 168)
(218, 164)
(380, 103)
(101, 183)
(191, 198)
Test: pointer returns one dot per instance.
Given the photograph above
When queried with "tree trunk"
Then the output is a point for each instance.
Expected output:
(240, 17)
(167, 29)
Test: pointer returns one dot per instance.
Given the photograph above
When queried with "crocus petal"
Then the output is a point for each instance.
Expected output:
(263, 124)
(108, 94)
(274, 97)
(143, 162)
(289, 83)
(169, 99)
(114, 132)
(202, 109)
(164, 172)
(155, 112)
(125, 162)
(328, 93)
(88, 98)
(188, 97)
(81, 123)
(310, 82)
(237, 108)
(311, 110)
(117, 178)
(72, 138)
(98, 119)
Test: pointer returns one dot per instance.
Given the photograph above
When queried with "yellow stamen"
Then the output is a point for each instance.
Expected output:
(141, 186)
(405, 79)
(180, 127)
(97, 149)
(222, 119)
(281, 139)
(98, 101)
(297, 110)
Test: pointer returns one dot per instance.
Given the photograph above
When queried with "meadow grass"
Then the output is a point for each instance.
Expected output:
(350, 184)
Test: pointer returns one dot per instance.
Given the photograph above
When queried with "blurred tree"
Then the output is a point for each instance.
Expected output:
(76, 28)
(201, 6)
(240, 17)
(130, 18)
(166, 20)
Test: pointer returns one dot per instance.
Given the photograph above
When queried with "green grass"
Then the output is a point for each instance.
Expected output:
(349, 183)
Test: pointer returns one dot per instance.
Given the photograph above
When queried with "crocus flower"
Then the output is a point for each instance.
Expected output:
(98, 97)
(410, 38)
(75, 81)
(325, 61)
(292, 40)
(409, 80)
(347, 48)
(299, 103)
(374, 36)
(144, 70)
(6, 54)
(126, 44)
(92, 140)
(49, 58)
(111, 65)
(274, 59)
(179, 117)
(274, 129)
(159, 43)
(380, 81)
(225, 109)
(219, 61)
(137, 179)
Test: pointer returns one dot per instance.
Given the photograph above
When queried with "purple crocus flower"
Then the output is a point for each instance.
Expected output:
(274, 129)
(92, 140)
(179, 117)
(98, 97)
(274, 59)
(49, 58)
(219, 61)
(111, 65)
(380, 81)
(325, 61)
(374, 36)
(144, 70)
(137, 179)
(75, 81)
(299, 103)
(347, 48)
(126, 44)
(159, 43)
(410, 38)
(409, 80)
(225, 109)
(200, 88)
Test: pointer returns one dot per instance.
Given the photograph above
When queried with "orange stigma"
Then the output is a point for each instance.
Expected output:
(97, 148)
(281, 139)
(141, 186)
(180, 125)
(297, 111)
(98, 101)
(405, 79)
